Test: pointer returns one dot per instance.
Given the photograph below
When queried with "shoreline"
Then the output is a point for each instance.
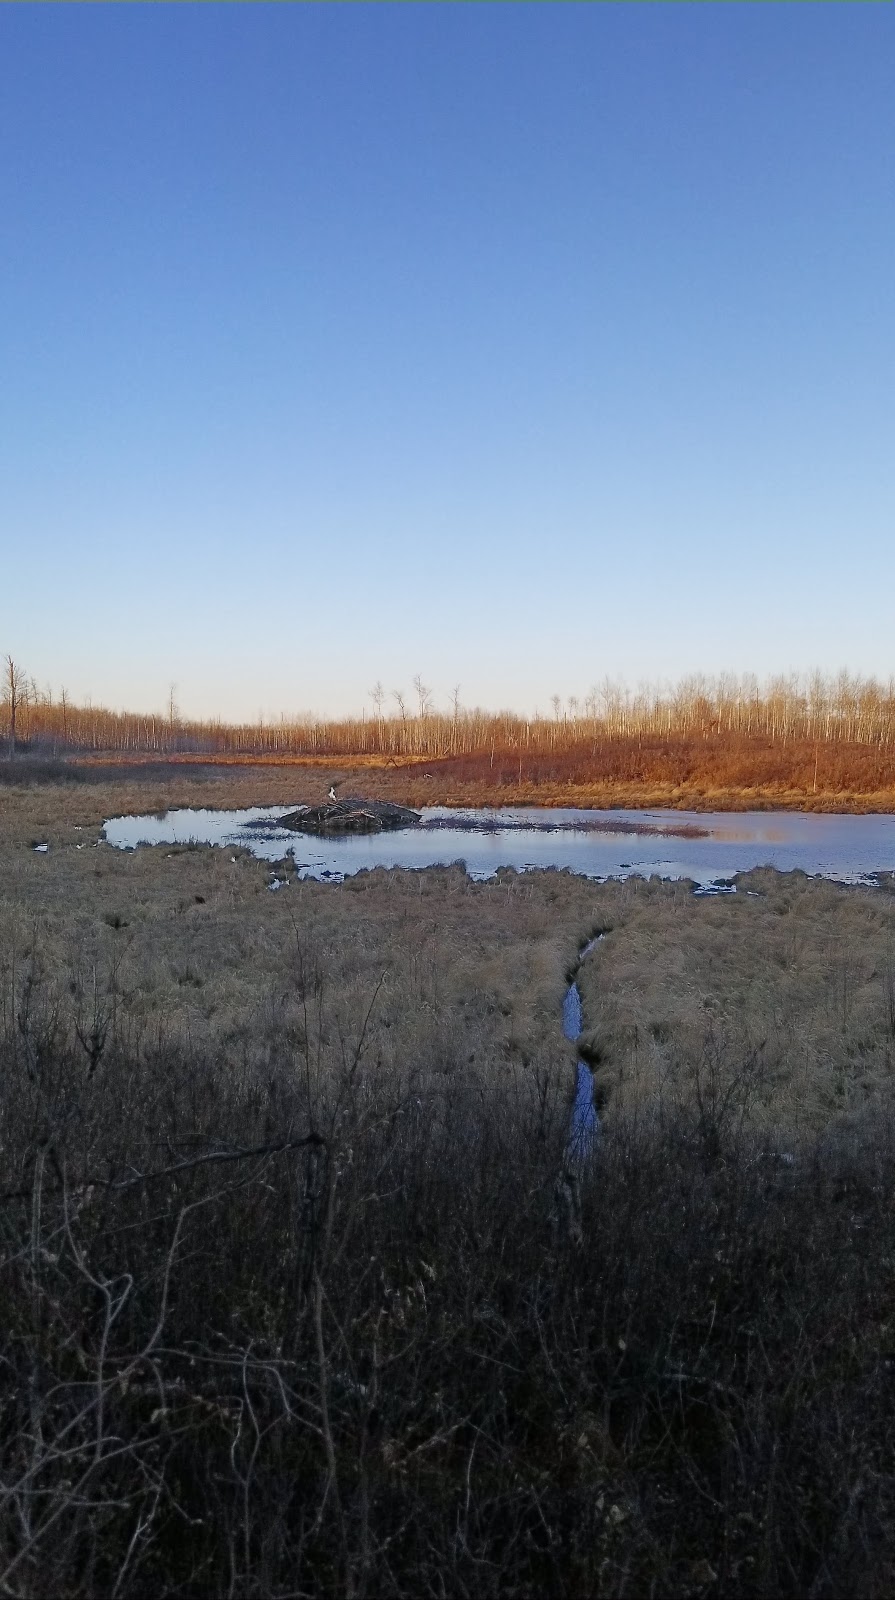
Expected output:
(190, 780)
(413, 784)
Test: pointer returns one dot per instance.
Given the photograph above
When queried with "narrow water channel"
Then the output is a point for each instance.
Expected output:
(584, 1125)
(708, 848)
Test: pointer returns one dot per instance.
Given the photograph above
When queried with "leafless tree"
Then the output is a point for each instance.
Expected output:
(455, 715)
(833, 730)
(377, 695)
(423, 696)
(15, 687)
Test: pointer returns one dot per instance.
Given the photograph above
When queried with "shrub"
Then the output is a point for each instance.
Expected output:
(315, 1328)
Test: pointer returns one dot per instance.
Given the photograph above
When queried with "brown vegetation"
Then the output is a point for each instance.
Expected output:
(299, 1295)
(823, 744)
(721, 772)
(774, 1006)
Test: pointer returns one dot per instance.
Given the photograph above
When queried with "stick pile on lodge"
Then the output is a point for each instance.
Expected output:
(351, 815)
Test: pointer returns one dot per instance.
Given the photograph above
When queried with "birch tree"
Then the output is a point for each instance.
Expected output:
(15, 689)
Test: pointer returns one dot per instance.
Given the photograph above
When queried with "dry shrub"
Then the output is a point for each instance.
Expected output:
(321, 1328)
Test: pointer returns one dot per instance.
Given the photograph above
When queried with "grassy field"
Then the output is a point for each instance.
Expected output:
(777, 1003)
(195, 937)
(786, 989)
(677, 775)
(300, 1293)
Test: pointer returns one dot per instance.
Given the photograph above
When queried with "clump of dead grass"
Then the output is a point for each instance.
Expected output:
(777, 997)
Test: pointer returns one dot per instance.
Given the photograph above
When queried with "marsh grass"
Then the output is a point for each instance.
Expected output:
(320, 1328)
(779, 996)
(621, 775)
(29, 771)
(300, 1295)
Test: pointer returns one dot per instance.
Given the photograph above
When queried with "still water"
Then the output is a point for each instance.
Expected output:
(584, 1122)
(703, 846)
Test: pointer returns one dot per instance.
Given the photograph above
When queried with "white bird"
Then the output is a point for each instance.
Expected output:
(332, 792)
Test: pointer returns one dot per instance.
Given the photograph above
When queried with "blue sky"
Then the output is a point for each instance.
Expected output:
(511, 345)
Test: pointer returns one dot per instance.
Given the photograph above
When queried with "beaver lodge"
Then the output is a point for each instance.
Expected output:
(350, 816)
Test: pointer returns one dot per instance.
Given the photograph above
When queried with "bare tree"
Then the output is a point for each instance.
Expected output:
(377, 695)
(455, 716)
(423, 695)
(15, 687)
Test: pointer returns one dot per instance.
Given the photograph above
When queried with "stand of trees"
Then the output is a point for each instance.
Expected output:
(843, 709)
(720, 714)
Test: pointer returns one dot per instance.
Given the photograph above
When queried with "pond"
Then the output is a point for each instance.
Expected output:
(706, 847)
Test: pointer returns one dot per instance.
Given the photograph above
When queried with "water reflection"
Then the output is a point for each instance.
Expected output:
(705, 847)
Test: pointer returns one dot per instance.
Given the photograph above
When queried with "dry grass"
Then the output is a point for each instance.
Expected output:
(685, 773)
(678, 777)
(780, 998)
(299, 1295)
(193, 939)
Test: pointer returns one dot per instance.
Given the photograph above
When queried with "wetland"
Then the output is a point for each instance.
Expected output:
(305, 1157)
(702, 846)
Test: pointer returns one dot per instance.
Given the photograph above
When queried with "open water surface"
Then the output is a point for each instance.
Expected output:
(707, 848)
(584, 1123)
(703, 846)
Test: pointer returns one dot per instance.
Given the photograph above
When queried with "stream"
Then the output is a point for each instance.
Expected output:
(584, 1124)
(708, 848)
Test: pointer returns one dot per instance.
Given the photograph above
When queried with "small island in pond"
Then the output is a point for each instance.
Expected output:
(350, 816)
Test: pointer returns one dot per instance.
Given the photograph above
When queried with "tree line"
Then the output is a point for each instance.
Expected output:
(844, 708)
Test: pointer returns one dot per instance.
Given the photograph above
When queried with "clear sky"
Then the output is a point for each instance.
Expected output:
(511, 345)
